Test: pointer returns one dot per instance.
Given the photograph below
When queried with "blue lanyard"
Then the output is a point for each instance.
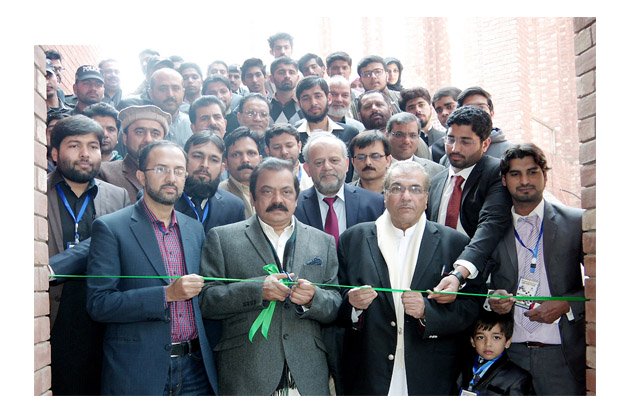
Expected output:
(478, 371)
(197, 215)
(81, 212)
(533, 251)
(299, 173)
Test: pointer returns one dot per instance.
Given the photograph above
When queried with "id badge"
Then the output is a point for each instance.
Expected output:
(527, 288)
(70, 245)
(467, 393)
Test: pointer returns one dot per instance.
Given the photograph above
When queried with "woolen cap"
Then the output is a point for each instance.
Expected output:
(144, 112)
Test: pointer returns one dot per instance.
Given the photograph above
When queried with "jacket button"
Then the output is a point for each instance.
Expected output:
(393, 324)
(391, 357)
(285, 336)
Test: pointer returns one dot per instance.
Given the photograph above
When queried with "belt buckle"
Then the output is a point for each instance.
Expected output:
(533, 345)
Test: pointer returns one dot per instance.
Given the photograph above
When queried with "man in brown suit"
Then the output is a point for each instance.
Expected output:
(75, 199)
(141, 124)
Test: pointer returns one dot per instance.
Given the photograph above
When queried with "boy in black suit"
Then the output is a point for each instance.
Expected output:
(492, 373)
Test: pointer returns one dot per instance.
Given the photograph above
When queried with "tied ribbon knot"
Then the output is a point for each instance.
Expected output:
(263, 321)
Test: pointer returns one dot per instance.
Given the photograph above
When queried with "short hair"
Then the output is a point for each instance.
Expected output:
(278, 129)
(519, 151)
(56, 115)
(240, 133)
(272, 164)
(367, 60)
(202, 137)
(487, 320)
(234, 68)
(176, 58)
(406, 166)
(282, 60)
(192, 65)
(479, 120)
(475, 90)
(309, 82)
(368, 137)
(102, 62)
(75, 125)
(215, 78)
(219, 62)
(447, 91)
(102, 109)
(338, 56)
(371, 92)
(302, 61)
(401, 118)
(250, 97)
(53, 54)
(279, 36)
(413, 93)
(144, 154)
(250, 63)
(205, 101)
(316, 136)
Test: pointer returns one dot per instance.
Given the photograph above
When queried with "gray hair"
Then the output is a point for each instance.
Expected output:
(406, 166)
(326, 137)
(401, 118)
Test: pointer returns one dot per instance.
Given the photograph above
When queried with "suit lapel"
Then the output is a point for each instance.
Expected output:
(380, 268)
(436, 194)
(473, 179)
(311, 208)
(550, 236)
(301, 252)
(144, 234)
(429, 244)
(216, 211)
(352, 205)
(255, 235)
(510, 252)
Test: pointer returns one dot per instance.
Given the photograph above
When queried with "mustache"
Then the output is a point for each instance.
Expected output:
(277, 206)
(245, 166)
(368, 168)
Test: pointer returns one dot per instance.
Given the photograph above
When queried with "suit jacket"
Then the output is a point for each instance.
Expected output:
(137, 339)
(503, 378)
(431, 352)
(75, 338)
(484, 210)
(224, 208)
(361, 205)
(122, 173)
(562, 247)
(228, 186)
(240, 250)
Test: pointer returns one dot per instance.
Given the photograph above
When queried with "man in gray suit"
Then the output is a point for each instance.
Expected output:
(292, 357)
(540, 255)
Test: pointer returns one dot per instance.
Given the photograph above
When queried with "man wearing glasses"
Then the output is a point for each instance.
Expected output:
(374, 77)
(155, 342)
(371, 156)
(253, 113)
(401, 343)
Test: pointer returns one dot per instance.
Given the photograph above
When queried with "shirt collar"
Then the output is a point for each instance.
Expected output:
(538, 210)
(271, 233)
(155, 220)
(465, 173)
(340, 194)
(332, 126)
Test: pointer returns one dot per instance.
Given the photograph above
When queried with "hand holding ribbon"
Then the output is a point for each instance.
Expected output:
(273, 289)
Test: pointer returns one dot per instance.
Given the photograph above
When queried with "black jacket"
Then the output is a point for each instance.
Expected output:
(503, 378)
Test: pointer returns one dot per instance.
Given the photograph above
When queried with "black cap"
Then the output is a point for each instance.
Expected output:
(88, 72)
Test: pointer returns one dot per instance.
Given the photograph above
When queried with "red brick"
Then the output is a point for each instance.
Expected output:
(40, 155)
(589, 197)
(42, 329)
(42, 355)
(589, 220)
(41, 278)
(587, 106)
(41, 179)
(583, 41)
(41, 229)
(580, 23)
(588, 175)
(589, 242)
(41, 253)
(588, 152)
(591, 382)
(40, 132)
(591, 313)
(585, 62)
(586, 84)
(41, 203)
(591, 334)
(42, 304)
(591, 357)
(43, 381)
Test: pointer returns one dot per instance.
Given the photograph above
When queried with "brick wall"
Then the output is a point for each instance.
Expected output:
(585, 71)
(73, 57)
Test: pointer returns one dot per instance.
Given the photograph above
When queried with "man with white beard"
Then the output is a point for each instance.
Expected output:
(340, 108)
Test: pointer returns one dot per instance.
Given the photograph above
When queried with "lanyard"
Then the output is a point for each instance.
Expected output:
(81, 212)
(197, 215)
(478, 371)
(533, 251)
(299, 173)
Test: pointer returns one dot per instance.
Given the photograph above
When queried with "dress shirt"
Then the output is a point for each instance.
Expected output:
(305, 181)
(278, 242)
(339, 208)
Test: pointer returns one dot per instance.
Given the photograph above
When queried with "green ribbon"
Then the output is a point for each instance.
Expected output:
(263, 321)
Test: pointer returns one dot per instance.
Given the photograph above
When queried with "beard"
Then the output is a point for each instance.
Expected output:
(75, 175)
(375, 123)
(316, 118)
(330, 188)
(200, 188)
(163, 198)
(338, 112)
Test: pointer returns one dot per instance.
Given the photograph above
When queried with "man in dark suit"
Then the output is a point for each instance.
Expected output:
(291, 359)
(201, 198)
(540, 255)
(401, 343)
(154, 341)
(469, 197)
(140, 126)
(75, 199)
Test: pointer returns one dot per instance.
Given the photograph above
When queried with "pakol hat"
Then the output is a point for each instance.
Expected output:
(144, 112)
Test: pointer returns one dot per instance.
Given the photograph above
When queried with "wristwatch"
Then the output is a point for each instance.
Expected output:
(460, 278)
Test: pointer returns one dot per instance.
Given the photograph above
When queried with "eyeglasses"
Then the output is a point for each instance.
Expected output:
(401, 135)
(253, 114)
(464, 142)
(376, 72)
(373, 157)
(162, 170)
(398, 189)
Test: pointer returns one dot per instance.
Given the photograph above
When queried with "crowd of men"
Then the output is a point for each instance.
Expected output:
(340, 224)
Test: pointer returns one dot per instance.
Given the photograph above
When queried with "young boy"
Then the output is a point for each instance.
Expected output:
(492, 373)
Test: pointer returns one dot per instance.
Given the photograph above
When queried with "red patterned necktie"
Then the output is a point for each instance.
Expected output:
(453, 208)
(332, 222)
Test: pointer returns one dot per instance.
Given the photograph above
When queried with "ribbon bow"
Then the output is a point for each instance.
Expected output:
(263, 321)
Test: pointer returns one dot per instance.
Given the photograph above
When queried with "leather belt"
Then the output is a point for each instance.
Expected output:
(537, 345)
(184, 348)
